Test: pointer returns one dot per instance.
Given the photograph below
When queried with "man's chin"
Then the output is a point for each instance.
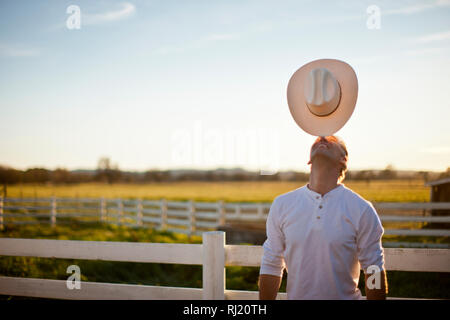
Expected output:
(319, 152)
(321, 156)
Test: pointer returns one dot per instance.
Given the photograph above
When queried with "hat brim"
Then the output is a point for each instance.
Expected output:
(330, 124)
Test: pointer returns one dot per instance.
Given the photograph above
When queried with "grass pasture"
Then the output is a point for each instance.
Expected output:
(246, 191)
(376, 191)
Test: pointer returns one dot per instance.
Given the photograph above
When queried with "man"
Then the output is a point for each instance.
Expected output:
(323, 234)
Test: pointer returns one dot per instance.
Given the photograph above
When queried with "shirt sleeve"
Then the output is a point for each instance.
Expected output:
(273, 261)
(370, 231)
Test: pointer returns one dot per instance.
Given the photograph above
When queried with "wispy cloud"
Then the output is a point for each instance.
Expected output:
(418, 7)
(399, 55)
(221, 37)
(126, 10)
(7, 50)
(199, 43)
(440, 36)
(423, 51)
(169, 49)
(437, 150)
(372, 59)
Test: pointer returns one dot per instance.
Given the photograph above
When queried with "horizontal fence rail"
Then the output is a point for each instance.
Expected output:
(213, 255)
(57, 289)
(103, 250)
(194, 218)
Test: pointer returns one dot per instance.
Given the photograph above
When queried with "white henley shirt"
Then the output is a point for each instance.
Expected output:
(322, 241)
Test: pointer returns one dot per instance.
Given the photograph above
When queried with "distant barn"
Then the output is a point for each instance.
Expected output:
(440, 192)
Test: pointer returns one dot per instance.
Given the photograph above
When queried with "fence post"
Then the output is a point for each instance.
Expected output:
(214, 265)
(260, 211)
(1, 212)
(139, 213)
(102, 209)
(237, 211)
(53, 213)
(220, 213)
(119, 211)
(163, 214)
(191, 217)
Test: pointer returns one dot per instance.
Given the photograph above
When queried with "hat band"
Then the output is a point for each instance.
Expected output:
(322, 92)
(318, 110)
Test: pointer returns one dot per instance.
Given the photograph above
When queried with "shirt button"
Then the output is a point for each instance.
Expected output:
(317, 197)
(318, 217)
(320, 207)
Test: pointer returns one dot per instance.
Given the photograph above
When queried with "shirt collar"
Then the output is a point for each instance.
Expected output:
(317, 196)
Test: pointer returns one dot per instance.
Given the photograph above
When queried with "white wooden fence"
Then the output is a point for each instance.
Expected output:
(188, 216)
(213, 255)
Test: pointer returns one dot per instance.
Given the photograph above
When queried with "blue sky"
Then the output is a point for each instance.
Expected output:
(202, 84)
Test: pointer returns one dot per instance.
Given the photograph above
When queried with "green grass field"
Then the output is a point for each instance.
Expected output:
(381, 191)
(401, 284)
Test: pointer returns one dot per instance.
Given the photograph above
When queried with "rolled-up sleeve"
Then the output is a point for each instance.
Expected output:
(273, 261)
(370, 231)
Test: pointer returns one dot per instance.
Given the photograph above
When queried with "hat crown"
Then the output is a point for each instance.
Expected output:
(322, 92)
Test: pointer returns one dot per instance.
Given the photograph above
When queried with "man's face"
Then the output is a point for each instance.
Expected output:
(327, 147)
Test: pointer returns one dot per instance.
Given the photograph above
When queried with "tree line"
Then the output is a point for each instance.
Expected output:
(106, 173)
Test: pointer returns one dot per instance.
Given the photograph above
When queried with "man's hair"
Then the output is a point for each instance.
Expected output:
(344, 149)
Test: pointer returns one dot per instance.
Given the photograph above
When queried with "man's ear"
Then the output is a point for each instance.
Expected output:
(343, 161)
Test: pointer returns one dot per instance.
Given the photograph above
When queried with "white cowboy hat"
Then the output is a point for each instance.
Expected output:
(322, 96)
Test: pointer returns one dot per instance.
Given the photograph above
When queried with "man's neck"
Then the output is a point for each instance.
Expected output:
(323, 178)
